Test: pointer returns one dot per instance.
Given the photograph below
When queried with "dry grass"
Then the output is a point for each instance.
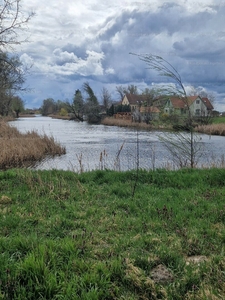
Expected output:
(212, 129)
(23, 150)
(110, 121)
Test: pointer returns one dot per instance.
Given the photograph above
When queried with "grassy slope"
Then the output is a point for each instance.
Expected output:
(69, 236)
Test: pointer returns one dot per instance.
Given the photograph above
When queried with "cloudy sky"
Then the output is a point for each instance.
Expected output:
(77, 41)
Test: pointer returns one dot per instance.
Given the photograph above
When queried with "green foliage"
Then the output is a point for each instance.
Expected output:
(111, 111)
(92, 108)
(82, 236)
(218, 120)
(122, 108)
(17, 105)
(63, 112)
(48, 107)
(92, 99)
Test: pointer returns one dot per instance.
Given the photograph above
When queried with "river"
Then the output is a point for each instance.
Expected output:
(90, 147)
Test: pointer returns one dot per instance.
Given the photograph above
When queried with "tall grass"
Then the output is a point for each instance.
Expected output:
(22, 150)
(212, 129)
(110, 121)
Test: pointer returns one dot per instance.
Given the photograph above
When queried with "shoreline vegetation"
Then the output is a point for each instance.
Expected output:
(210, 129)
(25, 150)
(85, 236)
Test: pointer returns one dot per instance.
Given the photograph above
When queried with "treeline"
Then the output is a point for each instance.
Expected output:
(86, 105)
(83, 104)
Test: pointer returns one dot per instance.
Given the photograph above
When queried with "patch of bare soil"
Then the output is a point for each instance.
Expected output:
(161, 274)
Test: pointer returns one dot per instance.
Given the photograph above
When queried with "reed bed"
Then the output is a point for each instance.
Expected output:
(24, 150)
(127, 123)
(212, 129)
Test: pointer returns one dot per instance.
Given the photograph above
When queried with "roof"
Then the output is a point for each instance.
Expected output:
(178, 102)
(182, 102)
(135, 99)
(207, 103)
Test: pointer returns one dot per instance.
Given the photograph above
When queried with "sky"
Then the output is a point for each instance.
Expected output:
(77, 41)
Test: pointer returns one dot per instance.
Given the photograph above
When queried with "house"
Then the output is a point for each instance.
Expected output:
(135, 101)
(160, 101)
(141, 107)
(198, 106)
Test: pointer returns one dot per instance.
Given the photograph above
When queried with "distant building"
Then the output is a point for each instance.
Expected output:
(142, 107)
(198, 106)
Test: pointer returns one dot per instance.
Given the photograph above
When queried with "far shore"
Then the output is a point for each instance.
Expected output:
(210, 129)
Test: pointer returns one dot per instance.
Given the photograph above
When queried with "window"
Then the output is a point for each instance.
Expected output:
(197, 101)
(197, 112)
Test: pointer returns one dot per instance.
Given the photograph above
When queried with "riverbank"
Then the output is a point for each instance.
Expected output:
(25, 150)
(210, 129)
(84, 236)
(216, 128)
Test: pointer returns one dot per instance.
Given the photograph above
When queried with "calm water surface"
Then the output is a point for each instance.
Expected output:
(91, 147)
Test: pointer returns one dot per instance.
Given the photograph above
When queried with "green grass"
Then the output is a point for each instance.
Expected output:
(70, 236)
(218, 120)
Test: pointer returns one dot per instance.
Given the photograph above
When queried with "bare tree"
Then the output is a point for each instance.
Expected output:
(11, 80)
(202, 93)
(12, 21)
(183, 145)
(122, 91)
(12, 75)
(106, 98)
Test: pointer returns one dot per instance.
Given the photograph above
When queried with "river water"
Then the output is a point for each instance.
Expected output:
(90, 147)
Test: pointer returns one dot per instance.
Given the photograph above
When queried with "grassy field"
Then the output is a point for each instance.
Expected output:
(219, 120)
(84, 236)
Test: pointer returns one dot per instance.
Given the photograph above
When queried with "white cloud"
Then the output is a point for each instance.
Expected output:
(64, 63)
(26, 59)
(110, 71)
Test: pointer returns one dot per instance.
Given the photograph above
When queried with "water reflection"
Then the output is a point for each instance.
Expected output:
(91, 147)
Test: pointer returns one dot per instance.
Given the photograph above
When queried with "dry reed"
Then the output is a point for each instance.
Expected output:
(212, 129)
(110, 121)
(23, 150)
(125, 123)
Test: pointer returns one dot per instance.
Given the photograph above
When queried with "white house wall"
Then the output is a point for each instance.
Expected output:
(198, 106)
(125, 101)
